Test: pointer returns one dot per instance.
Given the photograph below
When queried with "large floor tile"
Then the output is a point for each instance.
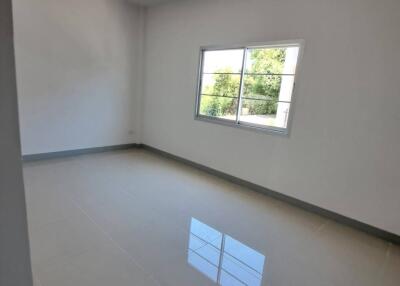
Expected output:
(153, 245)
(343, 256)
(64, 238)
(46, 206)
(99, 266)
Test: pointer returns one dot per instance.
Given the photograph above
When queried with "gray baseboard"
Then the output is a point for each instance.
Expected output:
(383, 234)
(68, 153)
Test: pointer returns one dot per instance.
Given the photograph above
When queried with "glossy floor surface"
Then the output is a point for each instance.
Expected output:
(134, 218)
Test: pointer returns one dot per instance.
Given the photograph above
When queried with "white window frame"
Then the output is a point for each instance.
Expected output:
(237, 123)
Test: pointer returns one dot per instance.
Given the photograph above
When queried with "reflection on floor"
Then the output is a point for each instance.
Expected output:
(132, 218)
(223, 259)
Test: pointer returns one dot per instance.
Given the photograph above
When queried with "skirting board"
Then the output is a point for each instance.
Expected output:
(68, 153)
(383, 234)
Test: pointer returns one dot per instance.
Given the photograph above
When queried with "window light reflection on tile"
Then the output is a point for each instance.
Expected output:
(222, 258)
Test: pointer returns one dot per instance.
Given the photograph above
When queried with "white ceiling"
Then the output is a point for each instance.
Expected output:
(149, 2)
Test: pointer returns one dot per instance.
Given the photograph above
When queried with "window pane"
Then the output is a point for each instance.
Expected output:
(202, 265)
(265, 112)
(221, 84)
(272, 60)
(265, 60)
(223, 61)
(218, 106)
(271, 87)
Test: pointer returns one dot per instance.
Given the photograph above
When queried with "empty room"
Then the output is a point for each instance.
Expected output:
(199, 142)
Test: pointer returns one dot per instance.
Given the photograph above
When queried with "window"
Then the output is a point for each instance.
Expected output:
(249, 86)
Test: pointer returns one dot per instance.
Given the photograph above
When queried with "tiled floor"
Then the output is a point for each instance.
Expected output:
(134, 218)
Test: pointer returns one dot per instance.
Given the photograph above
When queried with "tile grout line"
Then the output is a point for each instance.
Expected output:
(35, 278)
(117, 244)
(322, 226)
(155, 211)
(381, 271)
(35, 228)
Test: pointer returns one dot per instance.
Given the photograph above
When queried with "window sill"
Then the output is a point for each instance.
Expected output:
(267, 129)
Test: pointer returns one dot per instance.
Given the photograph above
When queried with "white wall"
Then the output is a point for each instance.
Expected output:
(77, 64)
(343, 151)
(15, 265)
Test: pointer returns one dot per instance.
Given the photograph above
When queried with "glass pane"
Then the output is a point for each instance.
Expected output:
(228, 279)
(265, 112)
(248, 257)
(270, 87)
(206, 233)
(202, 265)
(272, 60)
(265, 60)
(241, 264)
(220, 84)
(218, 106)
(223, 61)
(204, 248)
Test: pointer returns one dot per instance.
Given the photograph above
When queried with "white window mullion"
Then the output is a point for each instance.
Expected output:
(239, 105)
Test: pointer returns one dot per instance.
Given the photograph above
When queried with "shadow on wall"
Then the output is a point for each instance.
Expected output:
(15, 268)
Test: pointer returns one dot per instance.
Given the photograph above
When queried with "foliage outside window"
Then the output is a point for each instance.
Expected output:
(249, 86)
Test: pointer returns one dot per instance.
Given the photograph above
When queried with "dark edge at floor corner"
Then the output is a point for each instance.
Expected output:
(76, 152)
(372, 230)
